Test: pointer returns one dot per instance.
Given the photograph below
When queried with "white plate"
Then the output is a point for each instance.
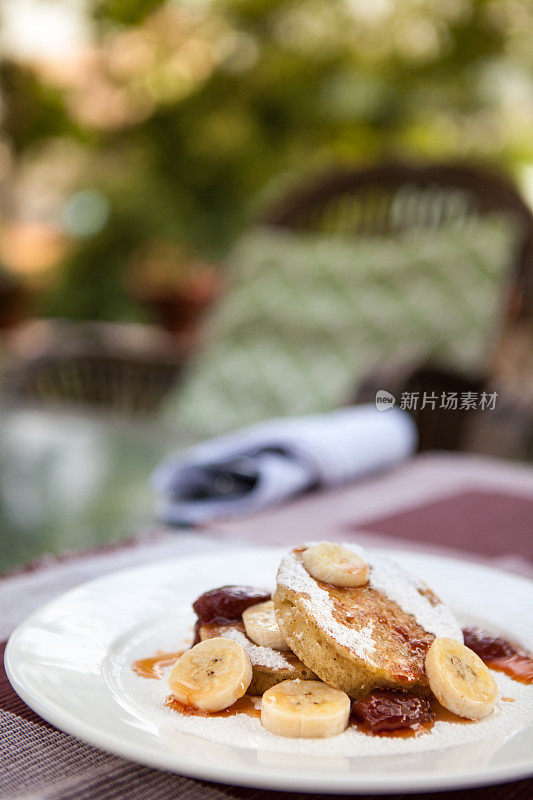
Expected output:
(71, 662)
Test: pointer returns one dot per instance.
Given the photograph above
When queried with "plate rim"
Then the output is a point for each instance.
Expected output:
(258, 776)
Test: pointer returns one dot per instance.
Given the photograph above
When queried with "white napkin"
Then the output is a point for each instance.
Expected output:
(289, 455)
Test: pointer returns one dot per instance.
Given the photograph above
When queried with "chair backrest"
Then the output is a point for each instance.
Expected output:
(394, 197)
(119, 367)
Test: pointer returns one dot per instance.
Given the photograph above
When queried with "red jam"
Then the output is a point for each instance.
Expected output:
(388, 712)
(384, 712)
(500, 655)
(227, 603)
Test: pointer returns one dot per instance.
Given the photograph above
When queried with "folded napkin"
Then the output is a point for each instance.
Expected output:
(242, 472)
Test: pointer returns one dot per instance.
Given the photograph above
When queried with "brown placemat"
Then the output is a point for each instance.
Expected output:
(488, 523)
(39, 762)
(479, 506)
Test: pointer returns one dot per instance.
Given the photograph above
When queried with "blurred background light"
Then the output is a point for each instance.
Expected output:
(40, 29)
(85, 213)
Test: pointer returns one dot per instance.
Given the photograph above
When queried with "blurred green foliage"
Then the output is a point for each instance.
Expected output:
(193, 113)
(33, 111)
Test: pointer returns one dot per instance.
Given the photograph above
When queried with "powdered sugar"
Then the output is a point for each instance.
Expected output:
(259, 656)
(294, 576)
(385, 576)
(402, 588)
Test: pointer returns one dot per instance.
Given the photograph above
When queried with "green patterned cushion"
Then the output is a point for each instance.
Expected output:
(306, 316)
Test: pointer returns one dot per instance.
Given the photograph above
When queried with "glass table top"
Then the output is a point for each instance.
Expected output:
(71, 480)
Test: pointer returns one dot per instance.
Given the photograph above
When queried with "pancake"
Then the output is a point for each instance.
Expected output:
(269, 666)
(359, 639)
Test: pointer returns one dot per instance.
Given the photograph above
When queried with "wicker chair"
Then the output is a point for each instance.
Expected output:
(390, 198)
(119, 367)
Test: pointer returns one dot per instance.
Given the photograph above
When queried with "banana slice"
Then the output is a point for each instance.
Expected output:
(335, 564)
(261, 626)
(212, 675)
(306, 709)
(460, 680)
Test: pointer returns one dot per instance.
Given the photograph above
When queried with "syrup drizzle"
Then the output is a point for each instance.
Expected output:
(153, 666)
(501, 655)
(518, 667)
(245, 705)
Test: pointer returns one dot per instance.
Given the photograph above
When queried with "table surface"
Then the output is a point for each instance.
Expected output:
(71, 480)
(447, 503)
